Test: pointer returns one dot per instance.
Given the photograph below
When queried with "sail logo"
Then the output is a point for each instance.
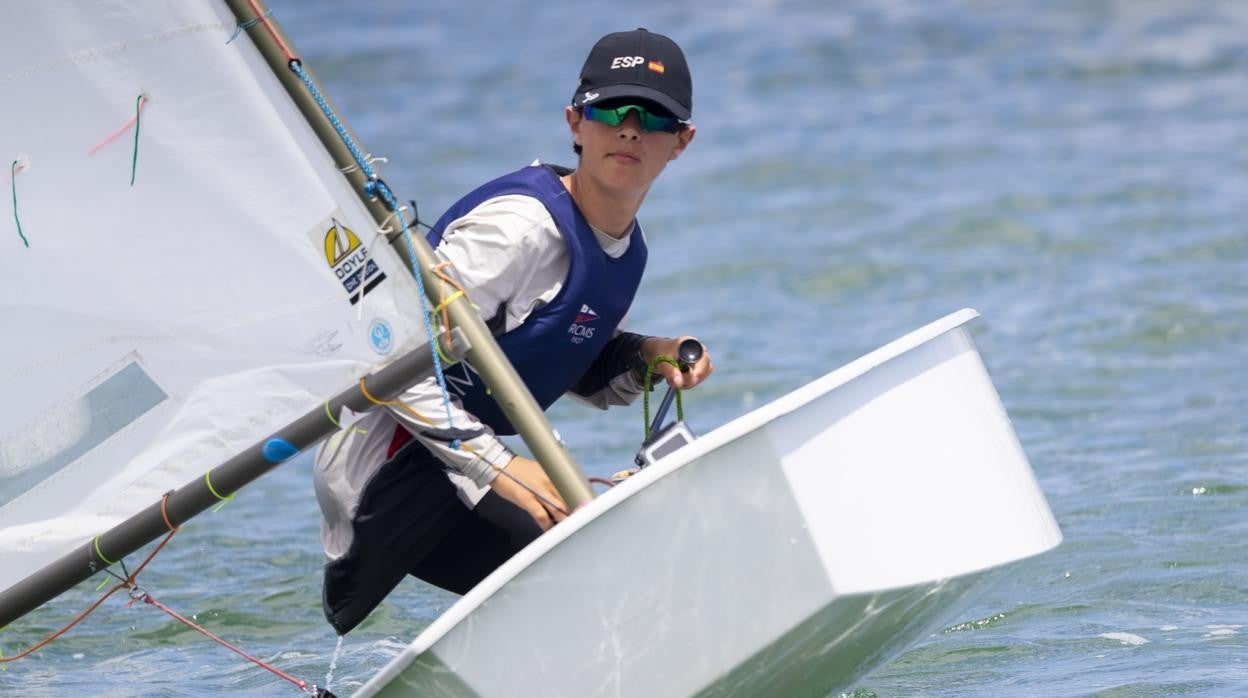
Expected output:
(380, 336)
(350, 261)
(578, 329)
(340, 242)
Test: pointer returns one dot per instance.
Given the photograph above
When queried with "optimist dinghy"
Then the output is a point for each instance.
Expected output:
(787, 553)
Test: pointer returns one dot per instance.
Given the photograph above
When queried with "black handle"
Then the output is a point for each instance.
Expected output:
(689, 353)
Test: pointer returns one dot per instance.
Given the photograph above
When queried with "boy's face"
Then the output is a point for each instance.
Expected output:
(624, 159)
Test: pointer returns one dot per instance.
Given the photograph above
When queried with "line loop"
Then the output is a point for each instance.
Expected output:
(164, 511)
(241, 26)
(100, 554)
(215, 493)
(645, 391)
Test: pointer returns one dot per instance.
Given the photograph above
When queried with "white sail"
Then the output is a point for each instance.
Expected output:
(152, 330)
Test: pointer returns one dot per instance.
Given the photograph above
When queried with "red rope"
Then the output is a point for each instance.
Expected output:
(264, 19)
(127, 583)
(124, 127)
(303, 685)
(602, 481)
(65, 629)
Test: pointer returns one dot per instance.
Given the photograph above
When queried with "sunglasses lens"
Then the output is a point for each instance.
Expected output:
(610, 117)
(648, 121)
(654, 122)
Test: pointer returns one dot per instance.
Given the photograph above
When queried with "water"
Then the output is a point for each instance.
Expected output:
(333, 663)
(1076, 170)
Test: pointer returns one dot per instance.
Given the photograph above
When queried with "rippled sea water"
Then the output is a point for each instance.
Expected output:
(1077, 170)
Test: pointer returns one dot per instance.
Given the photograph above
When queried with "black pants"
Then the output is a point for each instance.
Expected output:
(411, 521)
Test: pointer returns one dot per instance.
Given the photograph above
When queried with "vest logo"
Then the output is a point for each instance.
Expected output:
(578, 330)
(587, 314)
(626, 62)
(350, 260)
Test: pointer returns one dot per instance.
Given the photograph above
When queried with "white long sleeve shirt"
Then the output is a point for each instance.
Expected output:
(511, 260)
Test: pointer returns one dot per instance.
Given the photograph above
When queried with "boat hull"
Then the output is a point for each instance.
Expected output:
(790, 552)
(832, 650)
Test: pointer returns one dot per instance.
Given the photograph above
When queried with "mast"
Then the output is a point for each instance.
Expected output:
(508, 389)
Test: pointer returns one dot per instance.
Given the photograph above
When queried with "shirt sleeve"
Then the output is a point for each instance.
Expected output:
(614, 378)
(619, 391)
(423, 412)
(508, 256)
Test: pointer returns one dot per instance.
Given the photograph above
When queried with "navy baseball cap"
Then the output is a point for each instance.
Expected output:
(638, 64)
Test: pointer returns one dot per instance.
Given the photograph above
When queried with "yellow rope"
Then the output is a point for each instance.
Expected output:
(331, 416)
(394, 403)
(101, 554)
(215, 493)
(448, 299)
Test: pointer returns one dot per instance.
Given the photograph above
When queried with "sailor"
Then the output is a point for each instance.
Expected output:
(552, 258)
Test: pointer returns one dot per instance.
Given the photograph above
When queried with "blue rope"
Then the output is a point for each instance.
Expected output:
(238, 29)
(375, 187)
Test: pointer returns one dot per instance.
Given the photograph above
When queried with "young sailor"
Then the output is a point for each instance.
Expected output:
(552, 258)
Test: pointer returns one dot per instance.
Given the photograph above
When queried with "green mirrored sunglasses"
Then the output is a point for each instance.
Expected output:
(648, 120)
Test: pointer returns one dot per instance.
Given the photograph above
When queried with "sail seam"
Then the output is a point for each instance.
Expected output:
(94, 54)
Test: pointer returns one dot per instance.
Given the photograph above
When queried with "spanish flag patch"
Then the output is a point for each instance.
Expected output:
(656, 66)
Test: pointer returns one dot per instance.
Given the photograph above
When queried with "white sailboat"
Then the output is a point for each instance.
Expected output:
(197, 285)
(787, 553)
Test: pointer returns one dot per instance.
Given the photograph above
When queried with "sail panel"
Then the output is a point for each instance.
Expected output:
(154, 328)
(61, 434)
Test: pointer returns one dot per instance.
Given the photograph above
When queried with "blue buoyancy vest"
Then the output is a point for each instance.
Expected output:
(556, 343)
